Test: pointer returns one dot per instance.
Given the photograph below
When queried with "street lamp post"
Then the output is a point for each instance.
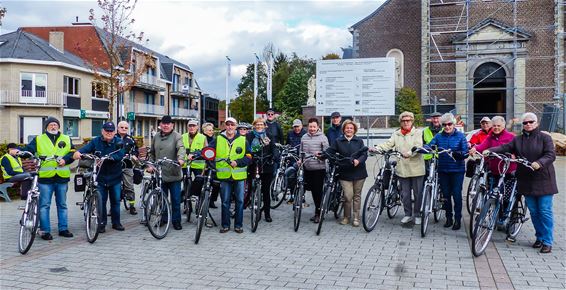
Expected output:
(228, 60)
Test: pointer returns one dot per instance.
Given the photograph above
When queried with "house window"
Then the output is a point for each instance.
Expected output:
(71, 127)
(71, 86)
(187, 81)
(149, 99)
(186, 104)
(96, 127)
(33, 85)
(98, 90)
(176, 79)
(162, 100)
(132, 101)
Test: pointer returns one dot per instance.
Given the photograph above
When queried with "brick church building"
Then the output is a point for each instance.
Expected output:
(474, 58)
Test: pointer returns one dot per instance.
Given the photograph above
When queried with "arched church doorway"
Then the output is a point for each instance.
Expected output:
(489, 91)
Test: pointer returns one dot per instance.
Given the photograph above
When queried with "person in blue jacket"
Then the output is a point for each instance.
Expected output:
(335, 129)
(110, 175)
(451, 171)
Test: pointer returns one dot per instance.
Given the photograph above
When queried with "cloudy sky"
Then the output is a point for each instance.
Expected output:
(201, 33)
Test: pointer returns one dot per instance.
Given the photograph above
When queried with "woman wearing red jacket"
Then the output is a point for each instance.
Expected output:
(496, 137)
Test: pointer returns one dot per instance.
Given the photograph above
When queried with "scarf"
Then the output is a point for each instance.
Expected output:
(405, 132)
(257, 141)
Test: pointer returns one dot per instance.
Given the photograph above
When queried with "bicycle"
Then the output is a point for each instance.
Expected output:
(475, 181)
(202, 201)
(432, 200)
(154, 202)
(278, 187)
(299, 192)
(186, 194)
(29, 222)
(256, 196)
(478, 189)
(377, 198)
(487, 219)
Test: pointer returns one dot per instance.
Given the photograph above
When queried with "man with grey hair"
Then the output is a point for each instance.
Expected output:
(128, 164)
(482, 134)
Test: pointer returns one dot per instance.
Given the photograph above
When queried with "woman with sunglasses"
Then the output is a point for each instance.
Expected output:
(538, 185)
(451, 168)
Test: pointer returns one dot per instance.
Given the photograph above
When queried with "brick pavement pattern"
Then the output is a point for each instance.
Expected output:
(275, 257)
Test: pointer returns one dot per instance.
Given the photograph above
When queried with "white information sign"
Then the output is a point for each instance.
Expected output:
(355, 87)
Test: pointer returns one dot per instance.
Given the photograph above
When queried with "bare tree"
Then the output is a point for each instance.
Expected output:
(118, 68)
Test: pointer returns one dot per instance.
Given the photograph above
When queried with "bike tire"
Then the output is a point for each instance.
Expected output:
(472, 190)
(187, 206)
(337, 202)
(255, 214)
(373, 206)
(477, 204)
(426, 209)
(158, 205)
(201, 215)
(277, 190)
(516, 221)
(28, 227)
(484, 226)
(393, 206)
(91, 213)
(298, 207)
(437, 205)
(325, 206)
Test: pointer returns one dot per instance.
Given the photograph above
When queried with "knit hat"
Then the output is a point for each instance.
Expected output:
(50, 120)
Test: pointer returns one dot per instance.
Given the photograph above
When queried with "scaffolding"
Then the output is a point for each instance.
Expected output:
(452, 50)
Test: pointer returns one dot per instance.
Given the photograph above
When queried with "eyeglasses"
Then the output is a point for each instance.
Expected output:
(246, 129)
(123, 127)
(407, 120)
(528, 122)
(447, 124)
(192, 125)
(270, 114)
(230, 124)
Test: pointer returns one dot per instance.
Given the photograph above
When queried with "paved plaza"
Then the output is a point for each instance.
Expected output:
(275, 257)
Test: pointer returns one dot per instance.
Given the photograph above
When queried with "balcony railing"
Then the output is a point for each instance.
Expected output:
(186, 113)
(31, 98)
(148, 79)
(150, 109)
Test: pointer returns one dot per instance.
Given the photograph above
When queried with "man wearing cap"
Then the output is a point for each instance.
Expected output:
(482, 134)
(273, 130)
(110, 175)
(54, 175)
(193, 141)
(429, 132)
(169, 144)
(131, 149)
(229, 144)
(335, 129)
(12, 170)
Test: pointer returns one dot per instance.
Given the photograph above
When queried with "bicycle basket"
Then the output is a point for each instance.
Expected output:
(510, 184)
(138, 176)
(386, 177)
(80, 182)
(471, 168)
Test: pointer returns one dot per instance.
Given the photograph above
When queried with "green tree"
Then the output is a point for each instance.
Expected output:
(241, 107)
(407, 100)
(294, 93)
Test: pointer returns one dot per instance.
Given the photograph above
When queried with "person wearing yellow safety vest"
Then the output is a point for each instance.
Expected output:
(231, 145)
(54, 175)
(193, 141)
(428, 133)
(12, 170)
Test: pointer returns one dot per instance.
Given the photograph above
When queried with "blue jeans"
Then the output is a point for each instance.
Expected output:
(542, 217)
(451, 186)
(45, 195)
(112, 191)
(226, 188)
(175, 189)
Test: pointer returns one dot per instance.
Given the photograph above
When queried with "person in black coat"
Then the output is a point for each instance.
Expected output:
(353, 173)
(263, 147)
(538, 186)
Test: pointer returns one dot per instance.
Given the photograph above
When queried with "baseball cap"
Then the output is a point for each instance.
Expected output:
(230, 119)
(270, 110)
(166, 119)
(193, 122)
(12, 146)
(109, 126)
(297, 122)
(436, 114)
(335, 114)
(485, 119)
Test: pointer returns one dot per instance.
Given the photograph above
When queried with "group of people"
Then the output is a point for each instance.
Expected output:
(251, 148)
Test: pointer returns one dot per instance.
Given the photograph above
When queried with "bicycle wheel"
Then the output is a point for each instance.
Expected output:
(201, 214)
(187, 206)
(373, 205)
(277, 190)
(326, 196)
(437, 205)
(298, 207)
(394, 201)
(255, 214)
(91, 213)
(517, 219)
(28, 226)
(472, 189)
(477, 204)
(159, 218)
(426, 209)
(484, 226)
(336, 203)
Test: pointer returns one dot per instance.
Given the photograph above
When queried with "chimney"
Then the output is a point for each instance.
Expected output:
(56, 39)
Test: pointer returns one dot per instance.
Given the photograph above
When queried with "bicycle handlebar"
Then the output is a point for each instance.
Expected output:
(506, 158)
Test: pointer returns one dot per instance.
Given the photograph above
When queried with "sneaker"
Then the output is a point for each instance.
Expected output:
(356, 223)
(345, 221)
(290, 201)
(47, 236)
(66, 234)
(239, 230)
(537, 244)
(546, 249)
(315, 219)
(118, 227)
(418, 221)
(177, 226)
(101, 229)
(406, 220)
(456, 226)
(133, 210)
(224, 230)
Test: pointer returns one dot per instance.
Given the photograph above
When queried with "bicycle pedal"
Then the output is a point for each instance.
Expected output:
(510, 239)
(79, 203)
